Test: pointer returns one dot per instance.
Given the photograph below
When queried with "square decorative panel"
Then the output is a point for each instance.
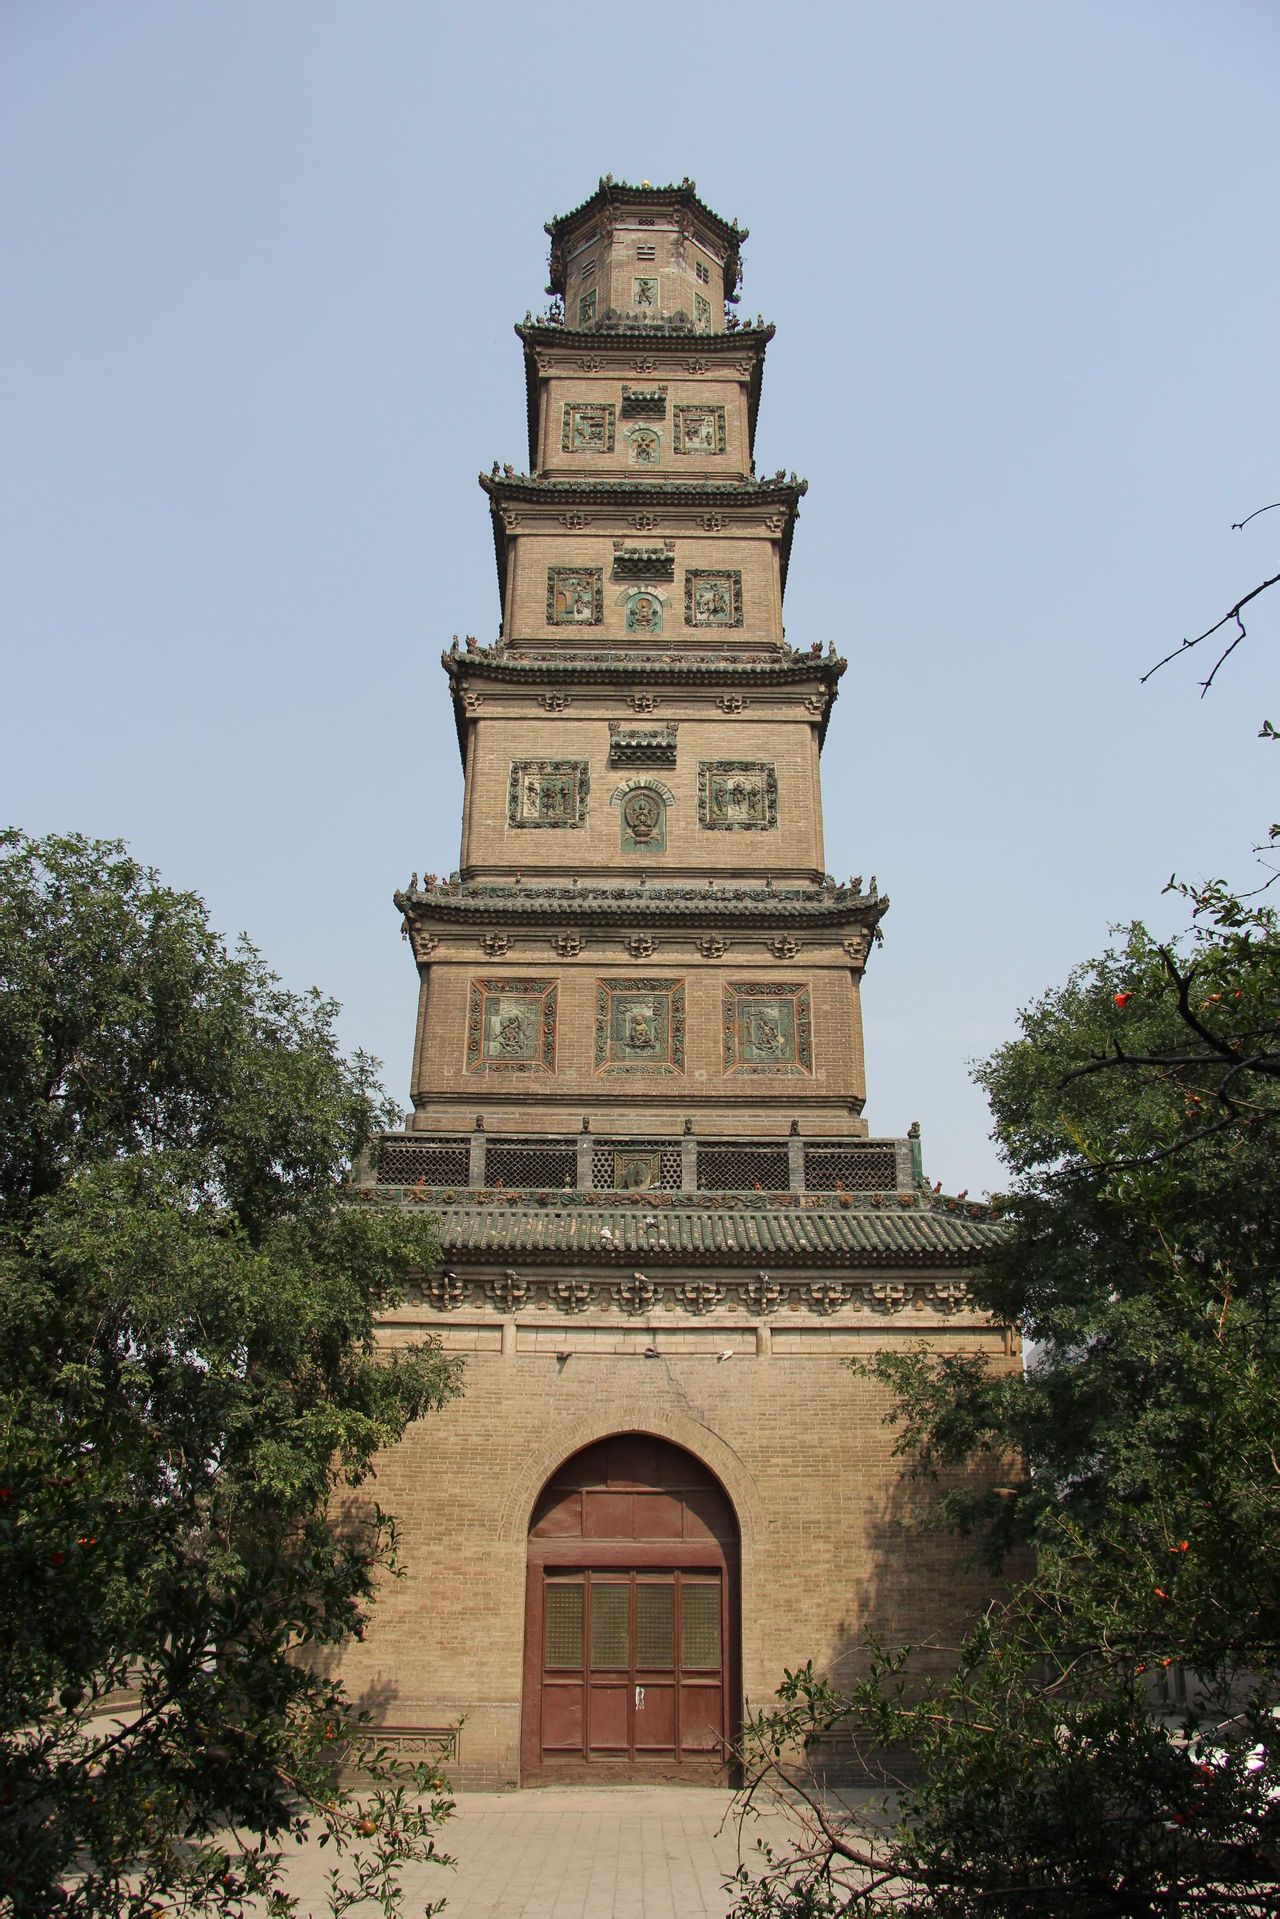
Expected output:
(575, 596)
(548, 793)
(737, 796)
(640, 1026)
(587, 308)
(588, 427)
(713, 599)
(644, 294)
(767, 1028)
(637, 1171)
(511, 1026)
(698, 429)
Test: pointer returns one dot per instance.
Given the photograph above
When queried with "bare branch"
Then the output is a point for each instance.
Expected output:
(1232, 614)
(1237, 524)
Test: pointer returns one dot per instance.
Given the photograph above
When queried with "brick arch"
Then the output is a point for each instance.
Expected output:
(706, 1447)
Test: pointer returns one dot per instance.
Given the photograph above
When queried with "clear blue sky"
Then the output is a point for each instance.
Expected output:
(262, 259)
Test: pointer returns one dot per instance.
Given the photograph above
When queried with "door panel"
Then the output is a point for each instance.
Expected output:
(609, 1718)
(562, 1717)
(631, 1646)
(631, 1669)
(654, 1716)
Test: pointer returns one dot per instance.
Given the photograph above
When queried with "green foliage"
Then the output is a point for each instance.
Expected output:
(188, 1389)
(1132, 1466)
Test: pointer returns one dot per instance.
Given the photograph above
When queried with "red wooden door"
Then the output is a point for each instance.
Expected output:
(633, 1668)
(630, 1634)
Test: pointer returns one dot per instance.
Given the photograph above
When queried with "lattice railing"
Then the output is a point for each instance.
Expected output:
(636, 1166)
(724, 1169)
(850, 1169)
(431, 1162)
(529, 1162)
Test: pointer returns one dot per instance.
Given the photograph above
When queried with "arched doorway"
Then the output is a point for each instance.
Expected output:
(631, 1620)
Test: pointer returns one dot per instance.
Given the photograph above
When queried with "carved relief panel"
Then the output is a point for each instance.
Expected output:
(640, 1026)
(588, 427)
(713, 599)
(767, 1028)
(511, 1026)
(698, 429)
(737, 796)
(575, 596)
(644, 445)
(548, 793)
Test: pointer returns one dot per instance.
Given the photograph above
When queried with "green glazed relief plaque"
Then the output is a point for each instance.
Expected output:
(588, 427)
(737, 796)
(698, 429)
(713, 599)
(640, 1026)
(768, 1028)
(511, 1026)
(548, 793)
(575, 596)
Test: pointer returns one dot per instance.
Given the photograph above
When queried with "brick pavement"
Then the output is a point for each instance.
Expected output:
(575, 1853)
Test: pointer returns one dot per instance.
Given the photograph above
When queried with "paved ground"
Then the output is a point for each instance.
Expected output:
(575, 1853)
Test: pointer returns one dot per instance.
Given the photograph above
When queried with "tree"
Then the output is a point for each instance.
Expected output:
(188, 1388)
(1138, 1112)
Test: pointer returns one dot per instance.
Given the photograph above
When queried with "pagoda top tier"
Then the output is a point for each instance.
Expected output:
(645, 254)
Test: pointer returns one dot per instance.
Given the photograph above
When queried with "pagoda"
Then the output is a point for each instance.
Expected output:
(638, 1086)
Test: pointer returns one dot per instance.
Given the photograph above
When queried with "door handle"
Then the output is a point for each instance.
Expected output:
(639, 1698)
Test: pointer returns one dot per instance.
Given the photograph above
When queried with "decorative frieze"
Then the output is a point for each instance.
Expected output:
(644, 562)
(644, 402)
(642, 745)
(761, 1297)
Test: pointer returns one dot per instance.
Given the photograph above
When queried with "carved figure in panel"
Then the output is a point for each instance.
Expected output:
(636, 1172)
(644, 294)
(701, 314)
(642, 805)
(768, 1028)
(643, 612)
(737, 796)
(548, 793)
(644, 822)
(575, 595)
(698, 429)
(640, 1026)
(587, 308)
(511, 1026)
(644, 446)
(713, 599)
(588, 427)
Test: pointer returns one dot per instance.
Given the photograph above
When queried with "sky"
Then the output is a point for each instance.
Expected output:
(262, 260)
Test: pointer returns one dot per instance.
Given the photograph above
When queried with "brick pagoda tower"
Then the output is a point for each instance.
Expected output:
(638, 1087)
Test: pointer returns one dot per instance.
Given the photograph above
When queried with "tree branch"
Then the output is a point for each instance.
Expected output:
(1232, 614)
